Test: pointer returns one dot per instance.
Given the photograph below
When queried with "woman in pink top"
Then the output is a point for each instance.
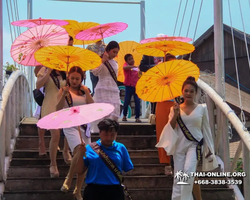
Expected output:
(131, 78)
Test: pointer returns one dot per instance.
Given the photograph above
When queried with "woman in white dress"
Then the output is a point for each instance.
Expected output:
(186, 151)
(74, 94)
(106, 90)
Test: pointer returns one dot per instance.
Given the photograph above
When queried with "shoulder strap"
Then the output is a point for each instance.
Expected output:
(111, 70)
(110, 164)
(56, 81)
(69, 99)
(190, 137)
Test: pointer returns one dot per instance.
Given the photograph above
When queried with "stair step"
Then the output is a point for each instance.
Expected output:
(33, 153)
(131, 142)
(137, 194)
(125, 129)
(43, 171)
(45, 183)
(60, 160)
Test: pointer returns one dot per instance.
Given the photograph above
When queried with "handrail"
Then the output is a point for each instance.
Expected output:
(15, 104)
(244, 134)
(240, 128)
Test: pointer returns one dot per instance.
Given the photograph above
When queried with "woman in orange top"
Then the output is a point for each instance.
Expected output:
(162, 113)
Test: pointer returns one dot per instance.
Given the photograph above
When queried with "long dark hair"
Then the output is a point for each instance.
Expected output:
(62, 73)
(112, 45)
(79, 71)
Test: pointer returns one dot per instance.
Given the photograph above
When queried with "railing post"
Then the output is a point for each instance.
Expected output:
(13, 112)
(17, 104)
(210, 108)
(224, 145)
(246, 168)
(2, 148)
(8, 129)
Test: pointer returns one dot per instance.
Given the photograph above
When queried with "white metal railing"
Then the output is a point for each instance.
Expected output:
(214, 100)
(15, 104)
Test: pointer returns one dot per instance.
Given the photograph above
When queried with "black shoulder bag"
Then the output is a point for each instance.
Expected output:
(110, 164)
(38, 96)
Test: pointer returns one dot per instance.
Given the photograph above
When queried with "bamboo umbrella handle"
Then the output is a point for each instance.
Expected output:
(79, 131)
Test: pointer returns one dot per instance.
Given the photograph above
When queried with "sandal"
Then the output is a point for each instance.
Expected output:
(124, 119)
(53, 172)
(137, 120)
(67, 157)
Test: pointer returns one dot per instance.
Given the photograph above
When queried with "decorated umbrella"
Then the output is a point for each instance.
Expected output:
(161, 48)
(125, 48)
(164, 81)
(75, 116)
(74, 27)
(102, 31)
(37, 22)
(166, 38)
(24, 47)
(62, 58)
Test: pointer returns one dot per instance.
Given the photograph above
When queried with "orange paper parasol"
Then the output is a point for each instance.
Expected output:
(164, 81)
(74, 27)
(62, 58)
(161, 48)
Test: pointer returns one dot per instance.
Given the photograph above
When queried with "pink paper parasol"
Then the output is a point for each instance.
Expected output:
(102, 31)
(25, 45)
(166, 38)
(37, 22)
(75, 116)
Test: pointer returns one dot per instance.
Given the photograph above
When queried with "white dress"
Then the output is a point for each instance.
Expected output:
(107, 91)
(184, 150)
(72, 134)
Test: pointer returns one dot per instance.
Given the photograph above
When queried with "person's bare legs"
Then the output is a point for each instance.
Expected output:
(79, 182)
(66, 155)
(71, 173)
(42, 148)
(54, 142)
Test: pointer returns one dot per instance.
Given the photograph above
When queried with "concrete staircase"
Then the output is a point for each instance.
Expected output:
(28, 176)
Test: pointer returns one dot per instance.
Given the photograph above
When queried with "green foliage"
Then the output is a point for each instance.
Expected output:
(10, 67)
(239, 165)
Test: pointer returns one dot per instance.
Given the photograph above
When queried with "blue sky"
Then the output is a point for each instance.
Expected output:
(160, 17)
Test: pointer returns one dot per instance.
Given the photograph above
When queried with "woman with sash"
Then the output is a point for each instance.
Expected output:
(52, 80)
(184, 137)
(75, 94)
(106, 90)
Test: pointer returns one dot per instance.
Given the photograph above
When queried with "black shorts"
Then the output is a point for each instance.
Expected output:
(103, 192)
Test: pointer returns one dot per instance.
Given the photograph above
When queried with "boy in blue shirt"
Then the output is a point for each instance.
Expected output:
(101, 182)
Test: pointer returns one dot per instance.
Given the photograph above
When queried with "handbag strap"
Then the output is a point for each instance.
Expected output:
(190, 137)
(56, 81)
(111, 71)
(111, 165)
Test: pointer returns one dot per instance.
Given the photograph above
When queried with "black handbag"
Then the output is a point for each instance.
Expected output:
(38, 96)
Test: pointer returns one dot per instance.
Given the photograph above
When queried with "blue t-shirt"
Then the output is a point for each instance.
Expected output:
(98, 172)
